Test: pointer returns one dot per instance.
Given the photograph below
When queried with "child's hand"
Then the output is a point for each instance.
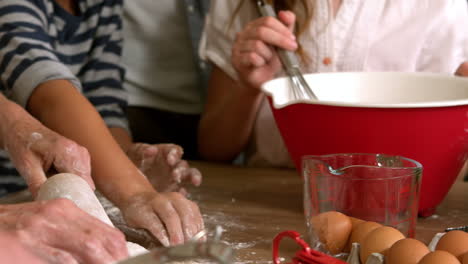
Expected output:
(253, 54)
(164, 167)
(169, 216)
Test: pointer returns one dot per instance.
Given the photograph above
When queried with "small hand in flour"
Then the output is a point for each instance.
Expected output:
(164, 166)
(169, 216)
(34, 149)
(60, 232)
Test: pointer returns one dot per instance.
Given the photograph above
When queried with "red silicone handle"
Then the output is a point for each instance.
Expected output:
(304, 256)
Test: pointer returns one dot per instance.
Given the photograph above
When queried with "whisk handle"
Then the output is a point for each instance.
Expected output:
(288, 58)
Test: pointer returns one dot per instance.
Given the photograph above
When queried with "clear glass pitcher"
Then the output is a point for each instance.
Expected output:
(371, 187)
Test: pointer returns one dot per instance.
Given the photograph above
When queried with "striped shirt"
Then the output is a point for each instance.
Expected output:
(40, 41)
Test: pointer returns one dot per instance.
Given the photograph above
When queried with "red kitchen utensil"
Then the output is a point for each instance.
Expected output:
(420, 116)
(304, 256)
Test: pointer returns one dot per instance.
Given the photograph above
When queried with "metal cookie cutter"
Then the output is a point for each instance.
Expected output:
(304, 256)
(193, 250)
(215, 251)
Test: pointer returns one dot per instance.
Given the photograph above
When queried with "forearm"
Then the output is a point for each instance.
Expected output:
(10, 113)
(4, 113)
(122, 137)
(62, 108)
(226, 128)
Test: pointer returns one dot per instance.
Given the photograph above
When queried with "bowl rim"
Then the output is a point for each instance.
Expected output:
(429, 104)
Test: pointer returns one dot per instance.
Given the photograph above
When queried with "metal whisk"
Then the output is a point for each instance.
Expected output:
(300, 88)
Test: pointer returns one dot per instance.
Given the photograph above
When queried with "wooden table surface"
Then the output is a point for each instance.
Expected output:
(252, 205)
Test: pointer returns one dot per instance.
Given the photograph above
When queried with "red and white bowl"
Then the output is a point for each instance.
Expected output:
(416, 115)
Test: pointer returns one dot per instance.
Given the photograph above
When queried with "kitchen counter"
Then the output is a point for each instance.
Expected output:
(252, 205)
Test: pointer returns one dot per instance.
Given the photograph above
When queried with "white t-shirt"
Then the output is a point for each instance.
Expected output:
(365, 35)
(158, 57)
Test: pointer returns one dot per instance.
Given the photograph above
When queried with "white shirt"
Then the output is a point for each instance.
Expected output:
(376, 35)
(158, 57)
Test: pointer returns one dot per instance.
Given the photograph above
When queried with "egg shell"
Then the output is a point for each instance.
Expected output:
(379, 240)
(465, 258)
(439, 257)
(333, 230)
(406, 251)
(355, 221)
(359, 232)
(454, 242)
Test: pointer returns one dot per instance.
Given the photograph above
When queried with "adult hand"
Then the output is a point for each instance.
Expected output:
(253, 53)
(62, 233)
(34, 149)
(13, 251)
(169, 216)
(164, 167)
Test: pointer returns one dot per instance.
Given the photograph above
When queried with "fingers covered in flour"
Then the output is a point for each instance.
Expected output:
(164, 167)
(170, 217)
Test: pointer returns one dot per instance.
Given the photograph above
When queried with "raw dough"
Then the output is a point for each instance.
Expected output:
(74, 188)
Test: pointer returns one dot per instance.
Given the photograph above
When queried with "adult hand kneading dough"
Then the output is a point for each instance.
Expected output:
(74, 188)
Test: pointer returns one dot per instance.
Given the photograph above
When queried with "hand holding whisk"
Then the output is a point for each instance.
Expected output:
(300, 88)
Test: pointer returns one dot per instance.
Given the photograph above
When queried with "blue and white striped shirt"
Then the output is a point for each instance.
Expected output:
(40, 41)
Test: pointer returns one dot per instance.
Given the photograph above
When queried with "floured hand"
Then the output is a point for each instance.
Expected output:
(169, 216)
(163, 166)
(35, 149)
(60, 232)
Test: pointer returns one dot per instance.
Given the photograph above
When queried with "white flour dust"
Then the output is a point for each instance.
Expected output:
(228, 229)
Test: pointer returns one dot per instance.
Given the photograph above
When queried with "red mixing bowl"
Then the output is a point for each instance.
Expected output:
(416, 115)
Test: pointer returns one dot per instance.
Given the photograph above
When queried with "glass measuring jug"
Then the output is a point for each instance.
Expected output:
(371, 187)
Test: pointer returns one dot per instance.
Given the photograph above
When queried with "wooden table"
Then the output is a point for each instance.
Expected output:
(253, 204)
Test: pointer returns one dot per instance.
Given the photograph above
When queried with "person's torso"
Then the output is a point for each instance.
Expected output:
(162, 68)
(381, 35)
(76, 42)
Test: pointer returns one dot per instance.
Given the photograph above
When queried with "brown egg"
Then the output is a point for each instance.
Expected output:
(355, 221)
(454, 242)
(379, 240)
(406, 251)
(333, 229)
(359, 232)
(465, 258)
(439, 257)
